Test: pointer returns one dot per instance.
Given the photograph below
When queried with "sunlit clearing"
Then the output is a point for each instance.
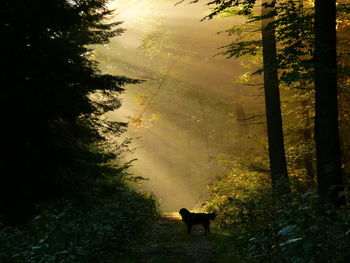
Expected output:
(175, 116)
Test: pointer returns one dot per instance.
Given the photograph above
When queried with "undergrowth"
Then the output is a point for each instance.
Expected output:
(296, 228)
(65, 232)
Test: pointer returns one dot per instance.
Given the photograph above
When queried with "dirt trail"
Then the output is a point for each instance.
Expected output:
(168, 242)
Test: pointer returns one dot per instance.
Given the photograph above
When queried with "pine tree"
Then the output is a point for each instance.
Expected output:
(51, 99)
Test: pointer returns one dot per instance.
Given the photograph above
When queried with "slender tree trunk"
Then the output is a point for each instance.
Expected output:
(307, 134)
(240, 114)
(329, 174)
(278, 164)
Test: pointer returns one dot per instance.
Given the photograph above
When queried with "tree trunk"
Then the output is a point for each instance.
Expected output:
(240, 114)
(307, 135)
(329, 174)
(278, 164)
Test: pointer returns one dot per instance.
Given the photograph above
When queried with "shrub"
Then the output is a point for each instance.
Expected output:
(103, 232)
(264, 228)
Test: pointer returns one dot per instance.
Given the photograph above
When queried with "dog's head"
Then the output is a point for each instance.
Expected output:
(184, 212)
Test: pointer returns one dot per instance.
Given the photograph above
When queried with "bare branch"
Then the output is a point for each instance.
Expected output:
(254, 85)
(254, 123)
(257, 95)
(180, 2)
(252, 117)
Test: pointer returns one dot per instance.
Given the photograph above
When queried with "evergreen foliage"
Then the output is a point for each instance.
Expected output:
(53, 97)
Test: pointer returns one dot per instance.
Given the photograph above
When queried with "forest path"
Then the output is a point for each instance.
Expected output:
(168, 242)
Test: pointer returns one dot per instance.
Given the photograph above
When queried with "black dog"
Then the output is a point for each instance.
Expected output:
(196, 218)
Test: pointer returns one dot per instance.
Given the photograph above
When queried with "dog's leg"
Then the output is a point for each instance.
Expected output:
(189, 227)
(206, 227)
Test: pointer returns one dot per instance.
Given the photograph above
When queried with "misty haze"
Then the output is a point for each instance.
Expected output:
(186, 111)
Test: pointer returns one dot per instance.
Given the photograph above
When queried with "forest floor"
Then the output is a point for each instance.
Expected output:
(168, 242)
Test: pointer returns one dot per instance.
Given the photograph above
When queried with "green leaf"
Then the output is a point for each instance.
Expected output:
(37, 218)
(291, 241)
(36, 247)
(286, 230)
(309, 195)
(314, 228)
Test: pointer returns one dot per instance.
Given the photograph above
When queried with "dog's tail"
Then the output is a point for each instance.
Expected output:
(212, 216)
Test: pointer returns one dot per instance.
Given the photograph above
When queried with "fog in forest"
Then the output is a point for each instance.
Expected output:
(187, 111)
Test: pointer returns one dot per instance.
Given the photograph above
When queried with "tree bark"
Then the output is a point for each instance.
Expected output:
(329, 173)
(278, 164)
(307, 136)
